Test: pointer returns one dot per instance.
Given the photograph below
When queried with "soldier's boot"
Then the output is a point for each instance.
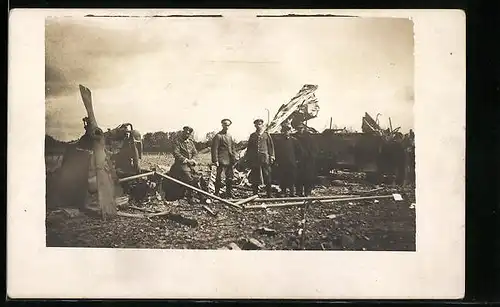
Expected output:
(229, 189)
(307, 190)
(217, 189)
(292, 193)
(269, 191)
(299, 191)
(255, 189)
(283, 192)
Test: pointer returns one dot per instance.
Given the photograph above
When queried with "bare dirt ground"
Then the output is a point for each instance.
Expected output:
(383, 224)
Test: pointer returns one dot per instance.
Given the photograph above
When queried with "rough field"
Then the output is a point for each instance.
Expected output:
(382, 224)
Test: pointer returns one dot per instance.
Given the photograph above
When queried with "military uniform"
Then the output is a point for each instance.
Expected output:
(409, 145)
(260, 156)
(287, 156)
(184, 151)
(306, 168)
(223, 153)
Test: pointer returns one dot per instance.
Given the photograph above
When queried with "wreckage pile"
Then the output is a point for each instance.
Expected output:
(341, 214)
(364, 217)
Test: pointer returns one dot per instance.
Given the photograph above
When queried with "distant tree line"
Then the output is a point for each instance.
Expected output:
(153, 142)
(164, 142)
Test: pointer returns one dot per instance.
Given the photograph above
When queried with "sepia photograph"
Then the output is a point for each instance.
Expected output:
(236, 154)
(251, 135)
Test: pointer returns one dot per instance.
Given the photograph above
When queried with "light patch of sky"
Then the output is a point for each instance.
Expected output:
(207, 69)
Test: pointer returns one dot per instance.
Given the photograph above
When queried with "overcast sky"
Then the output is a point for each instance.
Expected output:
(164, 73)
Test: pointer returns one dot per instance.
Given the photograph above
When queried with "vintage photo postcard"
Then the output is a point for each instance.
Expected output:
(214, 154)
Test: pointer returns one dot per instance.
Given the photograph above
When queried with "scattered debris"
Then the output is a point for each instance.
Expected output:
(209, 211)
(253, 244)
(302, 231)
(122, 201)
(71, 213)
(347, 241)
(265, 231)
(370, 191)
(397, 197)
(182, 220)
(142, 209)
(233, 246)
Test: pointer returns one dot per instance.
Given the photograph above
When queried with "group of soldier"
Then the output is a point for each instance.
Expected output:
(294, 161)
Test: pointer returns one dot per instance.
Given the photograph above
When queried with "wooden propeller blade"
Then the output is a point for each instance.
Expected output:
(105, 185)
(87, 102)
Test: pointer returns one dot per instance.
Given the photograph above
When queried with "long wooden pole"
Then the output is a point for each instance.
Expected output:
(292, 204)
(200, 191)
(247, 200)
(136, 176)
(266, 200)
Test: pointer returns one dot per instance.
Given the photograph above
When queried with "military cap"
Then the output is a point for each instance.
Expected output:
(226, 121)
(187, 129)
(258, 121)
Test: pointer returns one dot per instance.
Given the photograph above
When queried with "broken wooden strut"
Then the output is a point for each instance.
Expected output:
(396, 197)
(296, 201)
(235, 205)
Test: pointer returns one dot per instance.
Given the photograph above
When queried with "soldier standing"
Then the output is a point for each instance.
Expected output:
(399, 157)
(287, 154)
(223, 157)
(260, 157)
(410, 157)
(184, 165)
(306, 168)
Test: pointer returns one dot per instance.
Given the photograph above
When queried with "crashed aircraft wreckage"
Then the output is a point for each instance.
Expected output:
(96, 170)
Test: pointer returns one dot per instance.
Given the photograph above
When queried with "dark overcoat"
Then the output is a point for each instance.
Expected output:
(306, 168)
(252, 155)
(288, 153)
